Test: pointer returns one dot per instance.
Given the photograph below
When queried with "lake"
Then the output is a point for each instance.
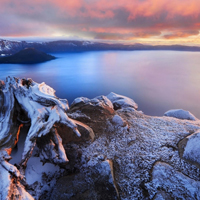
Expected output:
(156, 80)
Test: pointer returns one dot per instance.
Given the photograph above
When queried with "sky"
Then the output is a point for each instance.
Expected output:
(127, 21)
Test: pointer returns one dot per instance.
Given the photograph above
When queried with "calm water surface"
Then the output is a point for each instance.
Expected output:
(156, 80)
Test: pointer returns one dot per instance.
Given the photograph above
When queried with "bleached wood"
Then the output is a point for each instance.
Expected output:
(42, 109)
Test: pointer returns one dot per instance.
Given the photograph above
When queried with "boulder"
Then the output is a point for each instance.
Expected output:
(180, 114)
(171, 184)
(118, 121)
(94, 112)
(189, 148)
(120, 101)
(101, 103)
(67, 135)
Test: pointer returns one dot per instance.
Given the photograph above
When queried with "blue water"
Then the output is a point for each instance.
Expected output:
(156, 80)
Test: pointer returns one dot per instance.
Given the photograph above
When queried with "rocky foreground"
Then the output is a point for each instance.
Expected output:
(101, 148)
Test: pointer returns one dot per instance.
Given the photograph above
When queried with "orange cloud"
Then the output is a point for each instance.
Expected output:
(181, 34)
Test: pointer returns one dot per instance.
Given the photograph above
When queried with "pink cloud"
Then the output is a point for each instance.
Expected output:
(113, 19)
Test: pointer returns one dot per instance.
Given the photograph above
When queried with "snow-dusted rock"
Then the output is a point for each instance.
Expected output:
(120, 101)
(171, 184)
(80, 100)
(118, 120)
(134, 150)
(100, 101)
(180, 114)
(189, 148)
(133, 141)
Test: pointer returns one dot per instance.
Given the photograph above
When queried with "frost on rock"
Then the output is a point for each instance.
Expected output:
(100, 101)
(134, 149)
(189, 148)
(118, 120)
(180, 114)
(120, 101)
(80, 100)
(171, 184)
(134, 142)
(23, 101)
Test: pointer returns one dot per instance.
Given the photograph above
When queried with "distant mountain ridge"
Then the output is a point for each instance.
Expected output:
(11, 47)
(26, 56)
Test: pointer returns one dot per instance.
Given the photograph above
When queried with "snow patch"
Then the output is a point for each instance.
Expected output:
(35, 170)
(72, 44)
(86, 43)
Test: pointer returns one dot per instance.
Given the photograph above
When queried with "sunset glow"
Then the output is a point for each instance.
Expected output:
(146, 21)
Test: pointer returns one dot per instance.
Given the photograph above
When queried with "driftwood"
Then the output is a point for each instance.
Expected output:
(27, 102)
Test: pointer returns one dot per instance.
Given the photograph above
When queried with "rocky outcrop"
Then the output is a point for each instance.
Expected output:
(94, 112)
(122, 153)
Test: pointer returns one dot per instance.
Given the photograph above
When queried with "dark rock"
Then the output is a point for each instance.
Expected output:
(67, 134)
(94, 183)
(100, 105)
(94, 112)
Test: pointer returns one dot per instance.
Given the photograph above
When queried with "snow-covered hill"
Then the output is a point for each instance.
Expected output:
(11, 47)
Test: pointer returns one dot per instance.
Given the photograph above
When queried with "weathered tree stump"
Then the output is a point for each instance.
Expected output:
(25, 101)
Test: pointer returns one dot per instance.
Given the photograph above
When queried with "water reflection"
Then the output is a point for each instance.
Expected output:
(156, 80)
